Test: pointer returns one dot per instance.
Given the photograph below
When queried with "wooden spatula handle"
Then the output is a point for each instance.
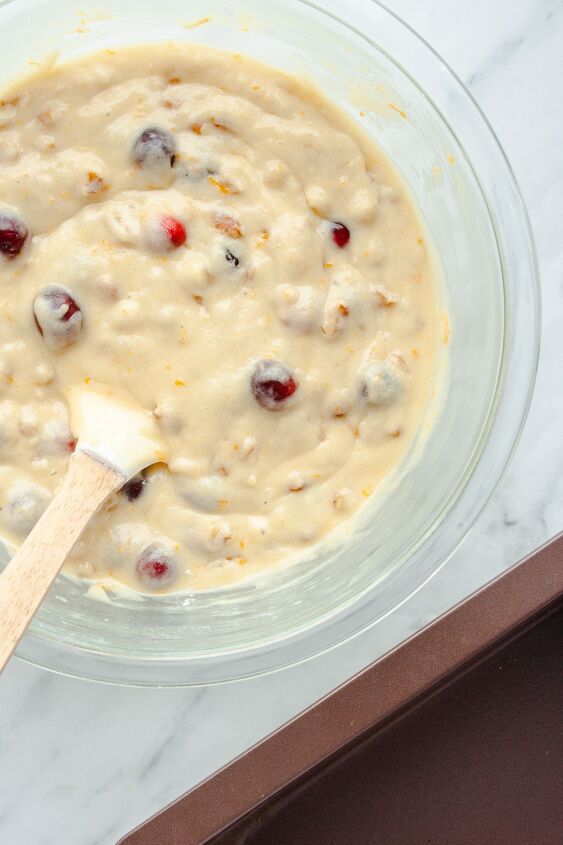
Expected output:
(28, 576)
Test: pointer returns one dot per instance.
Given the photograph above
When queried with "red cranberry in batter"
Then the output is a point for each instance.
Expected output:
(272, 384)
(340, 234)
(134, 487)
(13, 235)
(58, 316)
(154, 148)
(174, 231)
(156, 567)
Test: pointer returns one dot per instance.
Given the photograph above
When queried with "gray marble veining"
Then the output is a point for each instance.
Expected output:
(80, 764)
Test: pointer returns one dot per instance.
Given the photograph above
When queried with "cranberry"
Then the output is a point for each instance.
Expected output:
(154, 148)
(272, 384)
(156, 567)
(58, 316)
(164, 233)
(340, 234)
(231, 258)
(134, 487)
(13, 235)
(63, 301)
(54, 438)
(382, 382)
(175, 231)
(25, 503)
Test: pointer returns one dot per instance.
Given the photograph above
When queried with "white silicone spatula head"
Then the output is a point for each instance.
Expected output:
(116, 439)
(111, 427)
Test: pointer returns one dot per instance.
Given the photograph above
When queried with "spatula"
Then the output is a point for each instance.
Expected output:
(116, 439)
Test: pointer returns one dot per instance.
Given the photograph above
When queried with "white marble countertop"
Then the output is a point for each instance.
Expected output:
(80, 764)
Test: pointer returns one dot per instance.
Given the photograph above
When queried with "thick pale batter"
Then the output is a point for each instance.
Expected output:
(216, 239)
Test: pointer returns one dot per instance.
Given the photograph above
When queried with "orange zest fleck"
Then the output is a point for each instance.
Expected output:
(198, 22)
(398, 110)
(222, 187)
(445, 327)
(96, 184)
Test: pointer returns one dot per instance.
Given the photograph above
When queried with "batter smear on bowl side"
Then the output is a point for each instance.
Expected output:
(214, 237)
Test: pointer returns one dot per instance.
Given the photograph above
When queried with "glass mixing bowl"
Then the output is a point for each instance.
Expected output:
(449, 157)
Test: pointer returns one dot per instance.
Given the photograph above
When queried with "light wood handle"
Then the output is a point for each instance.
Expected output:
(28, 576)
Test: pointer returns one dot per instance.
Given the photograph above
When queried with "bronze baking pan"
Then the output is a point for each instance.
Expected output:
(454, 737)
